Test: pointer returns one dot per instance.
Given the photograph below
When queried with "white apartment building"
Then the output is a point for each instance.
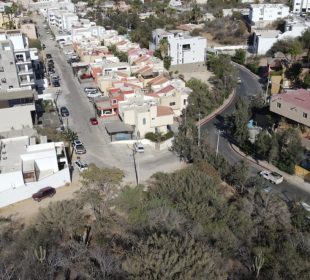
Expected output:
(262, 14)
(301, 6)
(44, 5)
(18, 61)
(26, 167)
(182, 48)
(264, 39)
(63, 20)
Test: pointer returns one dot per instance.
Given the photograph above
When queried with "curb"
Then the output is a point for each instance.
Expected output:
(220, 110)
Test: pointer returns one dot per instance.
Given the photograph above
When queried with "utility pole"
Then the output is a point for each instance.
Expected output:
(199, 129)
(218, 141)
(266, 92)
(135, 164)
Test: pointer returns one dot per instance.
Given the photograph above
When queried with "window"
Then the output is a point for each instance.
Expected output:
(278, 105)
(114, 101)
(279, 13)
(1, 69)
(172, 104)
(186, 47)
(144, 121)
(305, 115)
(184, 101)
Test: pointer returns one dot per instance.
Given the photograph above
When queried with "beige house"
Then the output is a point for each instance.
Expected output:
(294, 105)
(146, 118)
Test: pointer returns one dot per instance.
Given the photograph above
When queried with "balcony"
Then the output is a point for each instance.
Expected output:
(25, 72)
(20, 61)
(26, 82)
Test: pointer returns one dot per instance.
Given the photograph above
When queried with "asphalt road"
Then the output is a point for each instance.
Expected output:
(250, 87)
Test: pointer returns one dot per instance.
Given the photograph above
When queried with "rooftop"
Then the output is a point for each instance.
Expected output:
(299, 98)
(164, 111)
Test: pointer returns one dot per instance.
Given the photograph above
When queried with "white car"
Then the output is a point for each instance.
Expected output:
(93, 94)
(81, 165)
(305, 205)
(139, 148)
(272, 177)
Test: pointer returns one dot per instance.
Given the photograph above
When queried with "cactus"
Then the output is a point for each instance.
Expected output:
(41, 255)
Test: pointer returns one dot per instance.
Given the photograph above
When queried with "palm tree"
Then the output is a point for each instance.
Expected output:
(163, 47)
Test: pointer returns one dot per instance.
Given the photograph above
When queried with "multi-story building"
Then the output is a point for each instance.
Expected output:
(182, 48)
(301, 6)
(294, 105)
(26, 167)
(63, 20)
(263, 14)
(18, 61)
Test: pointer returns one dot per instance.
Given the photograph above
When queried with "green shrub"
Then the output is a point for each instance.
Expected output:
(157, 137)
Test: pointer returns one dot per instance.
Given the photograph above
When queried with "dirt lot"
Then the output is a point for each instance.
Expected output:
(198, 71)
(27, 209)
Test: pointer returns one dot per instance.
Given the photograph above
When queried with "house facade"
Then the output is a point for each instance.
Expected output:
(263, 14)
(26, 167)
(301, 6)
(294, 105)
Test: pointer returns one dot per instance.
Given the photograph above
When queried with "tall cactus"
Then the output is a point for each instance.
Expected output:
(258, 263)
(41, 254)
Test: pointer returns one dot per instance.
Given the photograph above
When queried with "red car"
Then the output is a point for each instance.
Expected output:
(44, 193)
(94, 121)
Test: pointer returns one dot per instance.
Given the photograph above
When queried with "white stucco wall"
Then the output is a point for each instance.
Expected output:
(17, 194)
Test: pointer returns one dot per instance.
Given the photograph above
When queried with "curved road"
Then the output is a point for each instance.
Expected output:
(249, 88)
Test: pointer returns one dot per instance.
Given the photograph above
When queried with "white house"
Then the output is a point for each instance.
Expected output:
(63, 20)
(301, 6)
(26, 167)
(182, 48)
(264, 39)
(263, 14)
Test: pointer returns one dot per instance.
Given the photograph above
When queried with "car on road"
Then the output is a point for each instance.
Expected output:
(90, 90)
(43, 46)
(139, 147)
(64, 111)
(81, 165)
(44, 193)
(69, 53)
(47, 32)
(48, 56)
(272, 177)
(93, 94)
(305, 205)
(93, 121)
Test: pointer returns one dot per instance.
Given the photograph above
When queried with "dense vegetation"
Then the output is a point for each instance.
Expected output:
(188, 225)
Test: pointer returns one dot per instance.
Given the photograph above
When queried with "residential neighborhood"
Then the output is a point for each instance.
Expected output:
(139, 135)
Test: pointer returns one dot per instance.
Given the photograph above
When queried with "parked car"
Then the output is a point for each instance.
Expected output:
(139, 148)
(55, 77)
(81, 165)
(93, 94)
(64, 111)
(305, 205)
(43, 46)
(93, 121)
(90, 90)
(44, 193)
(79, 149)
(48, 56)
(272, 177)
(56, 83)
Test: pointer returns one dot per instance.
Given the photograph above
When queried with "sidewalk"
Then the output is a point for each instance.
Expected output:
(292, 179)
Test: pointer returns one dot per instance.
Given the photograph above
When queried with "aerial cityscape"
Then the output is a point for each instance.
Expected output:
(154, 139)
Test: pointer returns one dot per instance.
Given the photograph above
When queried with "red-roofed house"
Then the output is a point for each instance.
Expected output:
(294, 105)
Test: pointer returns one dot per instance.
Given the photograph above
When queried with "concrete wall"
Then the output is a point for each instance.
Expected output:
(30, 30)
(14, 195)
(17, 117)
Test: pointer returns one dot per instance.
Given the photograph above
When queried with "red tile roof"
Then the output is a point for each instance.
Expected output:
(299, 98)
(164, 111)
(158, 80)
(165, 89)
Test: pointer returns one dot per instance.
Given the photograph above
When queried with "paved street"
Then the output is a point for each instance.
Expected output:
(247, 89)
(97, 142)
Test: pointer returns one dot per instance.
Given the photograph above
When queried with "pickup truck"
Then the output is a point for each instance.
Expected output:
(272, 177)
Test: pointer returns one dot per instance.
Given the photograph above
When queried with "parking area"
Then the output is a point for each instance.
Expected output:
(95, 138)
